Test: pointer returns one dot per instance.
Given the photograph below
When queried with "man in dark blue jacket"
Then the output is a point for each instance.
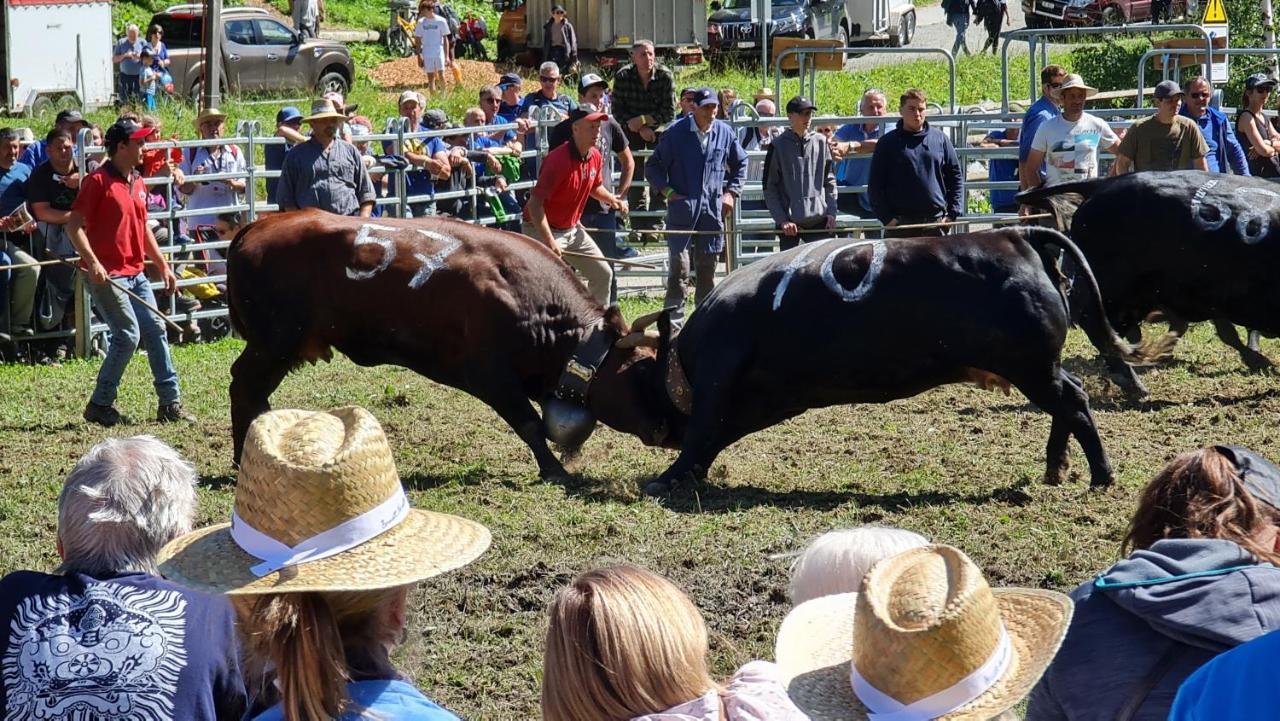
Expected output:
(698, 166)
(1225, 153)
(915, 174)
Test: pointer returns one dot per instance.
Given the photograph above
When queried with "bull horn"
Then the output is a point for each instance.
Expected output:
(645, 321)
(637, 340)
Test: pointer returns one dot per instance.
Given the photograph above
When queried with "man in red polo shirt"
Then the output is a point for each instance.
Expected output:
(109, 229)
(570, 174)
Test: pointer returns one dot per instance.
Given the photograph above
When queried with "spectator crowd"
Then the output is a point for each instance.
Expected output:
(292, 610)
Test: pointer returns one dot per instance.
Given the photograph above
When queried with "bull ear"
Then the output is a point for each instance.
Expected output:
(637, 340)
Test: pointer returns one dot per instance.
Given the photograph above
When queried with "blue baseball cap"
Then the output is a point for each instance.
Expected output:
(508, 79)
(288, 114)
(705, 96)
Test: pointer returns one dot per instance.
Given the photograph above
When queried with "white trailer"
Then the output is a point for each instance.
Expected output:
(57, 54)
(880, 22)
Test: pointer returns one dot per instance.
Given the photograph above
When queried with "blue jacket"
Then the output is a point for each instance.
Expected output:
(679, 163)
(390, 700)
(1224, 146)
(1188, 598)
(1239, 685)
(915, 175)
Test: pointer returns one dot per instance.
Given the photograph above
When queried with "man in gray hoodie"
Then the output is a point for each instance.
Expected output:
(1143, 626)
(799, 178)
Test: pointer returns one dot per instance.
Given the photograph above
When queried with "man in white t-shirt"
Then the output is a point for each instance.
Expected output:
(1070, 141)
(433, 38)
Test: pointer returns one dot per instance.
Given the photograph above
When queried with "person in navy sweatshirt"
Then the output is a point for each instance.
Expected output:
(915, 174)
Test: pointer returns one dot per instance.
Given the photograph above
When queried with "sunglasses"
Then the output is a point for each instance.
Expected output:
(545, 79)
(493, 101)
(1055, 86)
(1199, 96)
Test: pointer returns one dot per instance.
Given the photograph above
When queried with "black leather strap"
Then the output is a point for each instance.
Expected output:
(581, 369)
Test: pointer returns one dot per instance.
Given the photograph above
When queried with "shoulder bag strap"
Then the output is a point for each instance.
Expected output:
(1148, 682)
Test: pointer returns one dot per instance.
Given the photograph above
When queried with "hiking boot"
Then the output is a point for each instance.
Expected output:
(103, 415)
(173, 413)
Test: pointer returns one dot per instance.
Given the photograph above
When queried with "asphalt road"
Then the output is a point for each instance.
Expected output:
(932, 31)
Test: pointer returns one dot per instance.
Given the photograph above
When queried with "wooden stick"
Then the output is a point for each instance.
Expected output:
(163, 316)
(615, 261)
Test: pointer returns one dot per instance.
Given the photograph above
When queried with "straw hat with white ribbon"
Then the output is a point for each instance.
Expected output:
(319, 507)
(926, 639)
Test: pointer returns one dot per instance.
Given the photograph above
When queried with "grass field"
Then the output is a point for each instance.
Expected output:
(956, 464)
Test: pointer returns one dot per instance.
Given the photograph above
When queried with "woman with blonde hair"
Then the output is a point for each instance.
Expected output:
(625, 644)
(318, 559)
(1199, 579)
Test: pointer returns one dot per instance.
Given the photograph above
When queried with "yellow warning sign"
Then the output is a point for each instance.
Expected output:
(1215, 13)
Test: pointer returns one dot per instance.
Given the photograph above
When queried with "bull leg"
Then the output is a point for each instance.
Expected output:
(255, 375)
(712, 428)
(1253, 359)
(509, 401)
(1068, 404)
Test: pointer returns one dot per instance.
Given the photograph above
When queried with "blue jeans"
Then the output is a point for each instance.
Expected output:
(130, 323)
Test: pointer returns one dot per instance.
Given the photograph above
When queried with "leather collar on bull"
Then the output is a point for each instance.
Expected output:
(565, 416)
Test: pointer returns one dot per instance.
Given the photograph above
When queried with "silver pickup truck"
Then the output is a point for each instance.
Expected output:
(259, 53)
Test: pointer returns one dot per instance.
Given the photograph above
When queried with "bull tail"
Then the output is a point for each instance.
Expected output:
(235, 262)
(1093, 317)
(1062, 201)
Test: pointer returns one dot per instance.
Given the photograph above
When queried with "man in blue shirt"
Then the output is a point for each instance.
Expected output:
(859, 139)
(428, 156)
(1001, 169)
(698, 166)
(69, 120)
(1239, 685)
(17, 286)
(1225, 153)
(289, 127)
(510, 84)
(128, 55)
(1041, 110)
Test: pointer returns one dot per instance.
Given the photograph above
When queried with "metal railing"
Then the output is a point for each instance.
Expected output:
(752, 230)
(1165, 52)
(803, 53)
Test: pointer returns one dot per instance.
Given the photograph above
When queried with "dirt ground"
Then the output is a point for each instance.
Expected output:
(405, 73)
(957, 464)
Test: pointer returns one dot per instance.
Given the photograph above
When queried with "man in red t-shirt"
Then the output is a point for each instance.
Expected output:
(570, 174)
(108, 227)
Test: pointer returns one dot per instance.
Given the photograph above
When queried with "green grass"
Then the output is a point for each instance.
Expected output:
(956, 464)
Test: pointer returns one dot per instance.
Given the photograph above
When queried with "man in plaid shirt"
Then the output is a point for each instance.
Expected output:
(643, 101)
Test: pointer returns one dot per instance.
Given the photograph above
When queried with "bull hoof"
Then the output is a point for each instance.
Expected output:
(1103, 481)
(1258, 363)
(1055, 476)
(657, 489)
(555, 474)
(1133, 388)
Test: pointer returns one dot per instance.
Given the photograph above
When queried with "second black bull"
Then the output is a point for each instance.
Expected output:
(839, 321)
(1197, 246)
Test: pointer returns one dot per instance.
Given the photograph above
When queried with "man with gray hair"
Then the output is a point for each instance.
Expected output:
(104, 635)
(128, 55)
(858, 139)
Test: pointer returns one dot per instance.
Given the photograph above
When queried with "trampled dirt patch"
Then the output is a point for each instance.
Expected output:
(405, 73)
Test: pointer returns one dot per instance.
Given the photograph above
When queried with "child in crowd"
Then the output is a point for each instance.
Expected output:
(626, 644)
(148, 79)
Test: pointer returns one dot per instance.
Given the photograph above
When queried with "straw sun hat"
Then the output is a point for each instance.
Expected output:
(322, 109)
(319, 507)
(927, 633)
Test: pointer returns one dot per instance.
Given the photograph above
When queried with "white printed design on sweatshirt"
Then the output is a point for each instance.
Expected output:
(114, 653)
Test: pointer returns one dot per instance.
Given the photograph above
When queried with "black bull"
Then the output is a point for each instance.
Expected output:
(1195, 245)
(838, 321)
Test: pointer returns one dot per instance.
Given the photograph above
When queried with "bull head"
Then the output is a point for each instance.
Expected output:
(628, 393)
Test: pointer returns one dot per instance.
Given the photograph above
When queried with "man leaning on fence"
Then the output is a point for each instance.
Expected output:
(51, 193)
(109, 229)
(644, 100)
(325, 172)
(799, 181)
(698, 167)
(17, 285)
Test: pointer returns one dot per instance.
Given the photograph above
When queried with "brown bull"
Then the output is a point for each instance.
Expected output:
(492, 313)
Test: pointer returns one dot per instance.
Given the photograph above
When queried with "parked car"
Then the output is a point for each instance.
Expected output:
(1072, 13)
(732, 31)
(259, 53)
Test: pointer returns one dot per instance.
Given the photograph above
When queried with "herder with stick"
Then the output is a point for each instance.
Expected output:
(109, 230)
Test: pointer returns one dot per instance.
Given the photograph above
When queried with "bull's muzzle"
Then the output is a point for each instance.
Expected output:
(566, 424)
